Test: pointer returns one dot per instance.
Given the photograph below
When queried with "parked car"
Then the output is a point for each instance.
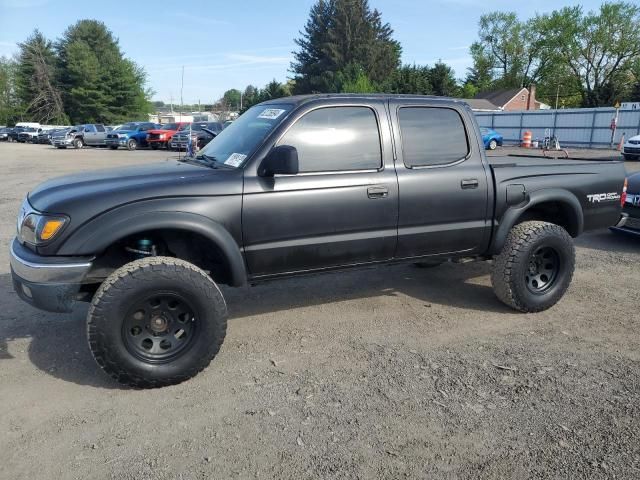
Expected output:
(131, 135)
(29, 135)
(201, 134)
(630, 222)
(631, 148)
(491, 138)
(161, 136)
(46, 136)
(14, 132)
(92, 134)
(4, 134)
(294, 186)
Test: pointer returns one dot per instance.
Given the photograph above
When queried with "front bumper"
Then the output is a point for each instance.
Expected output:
(62, 142)
(116, 142)
(48, 283)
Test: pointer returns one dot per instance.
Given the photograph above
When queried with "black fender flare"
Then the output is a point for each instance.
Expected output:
(513, 214)
(98, 234)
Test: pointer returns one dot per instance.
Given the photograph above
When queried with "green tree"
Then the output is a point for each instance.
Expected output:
(8, 99)
(480, 76)
(599, 48)
(339, 34)
(99, 84)
(443, 80)
(231, 98)
(36, 80)
(353, 79)
(409, 79)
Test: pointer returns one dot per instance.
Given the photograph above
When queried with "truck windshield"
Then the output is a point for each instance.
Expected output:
(240, 139)
(129, 126)
(169, 126)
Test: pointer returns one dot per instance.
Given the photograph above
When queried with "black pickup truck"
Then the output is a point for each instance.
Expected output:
(294, 186)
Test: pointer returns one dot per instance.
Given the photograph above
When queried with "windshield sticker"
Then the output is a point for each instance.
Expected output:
(235, 159)
(271, 113)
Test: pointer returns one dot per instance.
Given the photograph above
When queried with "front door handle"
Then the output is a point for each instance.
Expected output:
(377, 192)
(469, 183)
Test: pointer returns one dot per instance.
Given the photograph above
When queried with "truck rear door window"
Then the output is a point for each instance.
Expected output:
(432, 136)
(336, 138)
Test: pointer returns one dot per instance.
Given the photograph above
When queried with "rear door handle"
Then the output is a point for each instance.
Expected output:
(377, 192)
(469, 183)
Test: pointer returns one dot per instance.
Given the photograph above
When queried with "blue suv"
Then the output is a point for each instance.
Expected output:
(130, 135)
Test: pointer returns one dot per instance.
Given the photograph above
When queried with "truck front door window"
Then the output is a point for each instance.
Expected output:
(336, 138)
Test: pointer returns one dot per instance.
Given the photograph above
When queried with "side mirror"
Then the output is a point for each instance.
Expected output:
(281, 160)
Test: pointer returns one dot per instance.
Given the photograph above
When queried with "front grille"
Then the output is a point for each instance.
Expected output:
(631, 149)
(112, 135)
(154, 136)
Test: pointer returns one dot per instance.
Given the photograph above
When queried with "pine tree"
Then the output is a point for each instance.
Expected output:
(35, 80)
(338, 35)
(100, 85)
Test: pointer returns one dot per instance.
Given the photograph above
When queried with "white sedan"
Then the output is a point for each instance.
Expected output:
(631, 148)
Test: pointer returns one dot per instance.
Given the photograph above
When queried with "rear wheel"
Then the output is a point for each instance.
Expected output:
(155, 322)
(535, 267)
(493, 144)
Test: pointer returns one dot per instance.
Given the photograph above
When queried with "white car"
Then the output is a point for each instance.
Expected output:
(631, 148)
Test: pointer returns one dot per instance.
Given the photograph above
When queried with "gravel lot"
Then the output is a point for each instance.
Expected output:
(391, 372)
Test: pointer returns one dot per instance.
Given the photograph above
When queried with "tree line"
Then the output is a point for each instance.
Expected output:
(575, 58)
(83, 77)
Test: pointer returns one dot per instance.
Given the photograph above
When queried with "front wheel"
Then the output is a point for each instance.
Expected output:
(535, 267)
(132, 144)
(156, 321)
(493, 145)
(78, 143)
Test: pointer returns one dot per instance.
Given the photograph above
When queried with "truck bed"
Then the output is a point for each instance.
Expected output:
(512, 160)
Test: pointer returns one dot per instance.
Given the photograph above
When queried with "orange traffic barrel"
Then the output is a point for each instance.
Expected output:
(526, 139)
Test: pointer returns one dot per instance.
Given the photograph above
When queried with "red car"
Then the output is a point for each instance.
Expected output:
(161, 136)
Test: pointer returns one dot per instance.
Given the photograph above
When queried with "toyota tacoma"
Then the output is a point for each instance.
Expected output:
(295, 186)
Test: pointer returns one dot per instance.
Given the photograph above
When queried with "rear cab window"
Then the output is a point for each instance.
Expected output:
(432, 136)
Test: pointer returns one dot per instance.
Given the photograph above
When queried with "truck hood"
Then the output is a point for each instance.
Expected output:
(83, 196)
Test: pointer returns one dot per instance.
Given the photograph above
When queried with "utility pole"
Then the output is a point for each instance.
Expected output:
(240, 100)
(557, 95)
(181, 90)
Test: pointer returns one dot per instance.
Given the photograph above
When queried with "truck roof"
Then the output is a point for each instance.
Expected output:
(301, 99)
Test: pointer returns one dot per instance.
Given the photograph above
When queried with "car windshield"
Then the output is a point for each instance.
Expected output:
(168, 126)
(30, 129)
(240, 139)
(129, 126)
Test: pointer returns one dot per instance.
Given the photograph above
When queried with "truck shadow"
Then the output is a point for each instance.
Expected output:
(58, 341)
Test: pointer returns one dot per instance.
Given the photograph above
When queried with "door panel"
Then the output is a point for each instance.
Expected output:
(322, 220)
(443, 208)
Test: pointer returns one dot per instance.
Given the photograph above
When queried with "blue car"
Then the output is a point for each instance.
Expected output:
(491, 138)
(130, 135)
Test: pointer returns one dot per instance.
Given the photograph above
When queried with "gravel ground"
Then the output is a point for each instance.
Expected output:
(390, 372)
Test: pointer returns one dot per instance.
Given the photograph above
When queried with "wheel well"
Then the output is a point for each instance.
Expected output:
(553, 212)
(183, 244)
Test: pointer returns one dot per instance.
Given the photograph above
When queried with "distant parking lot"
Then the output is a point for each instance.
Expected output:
(389, 372)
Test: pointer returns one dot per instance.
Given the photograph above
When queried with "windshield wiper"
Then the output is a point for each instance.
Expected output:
(215, 163)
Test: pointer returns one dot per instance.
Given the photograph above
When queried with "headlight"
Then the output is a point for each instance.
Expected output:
(37, 228)
(161, 136)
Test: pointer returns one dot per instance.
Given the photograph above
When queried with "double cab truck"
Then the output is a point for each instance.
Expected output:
(29, 135)
(198, 134)
(92, 134)
(161, 136)
(130, 135)
(295, 186)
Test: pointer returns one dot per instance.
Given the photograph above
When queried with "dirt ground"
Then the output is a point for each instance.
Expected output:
(390, 372)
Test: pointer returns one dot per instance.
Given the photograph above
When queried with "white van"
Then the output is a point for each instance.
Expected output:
(28, 124)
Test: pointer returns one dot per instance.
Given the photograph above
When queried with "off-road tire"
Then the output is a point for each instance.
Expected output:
(511, 267)
(78, 143)
(123, 289)
(132, 144)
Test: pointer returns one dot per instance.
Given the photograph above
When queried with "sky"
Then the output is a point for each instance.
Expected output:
(231, 44)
